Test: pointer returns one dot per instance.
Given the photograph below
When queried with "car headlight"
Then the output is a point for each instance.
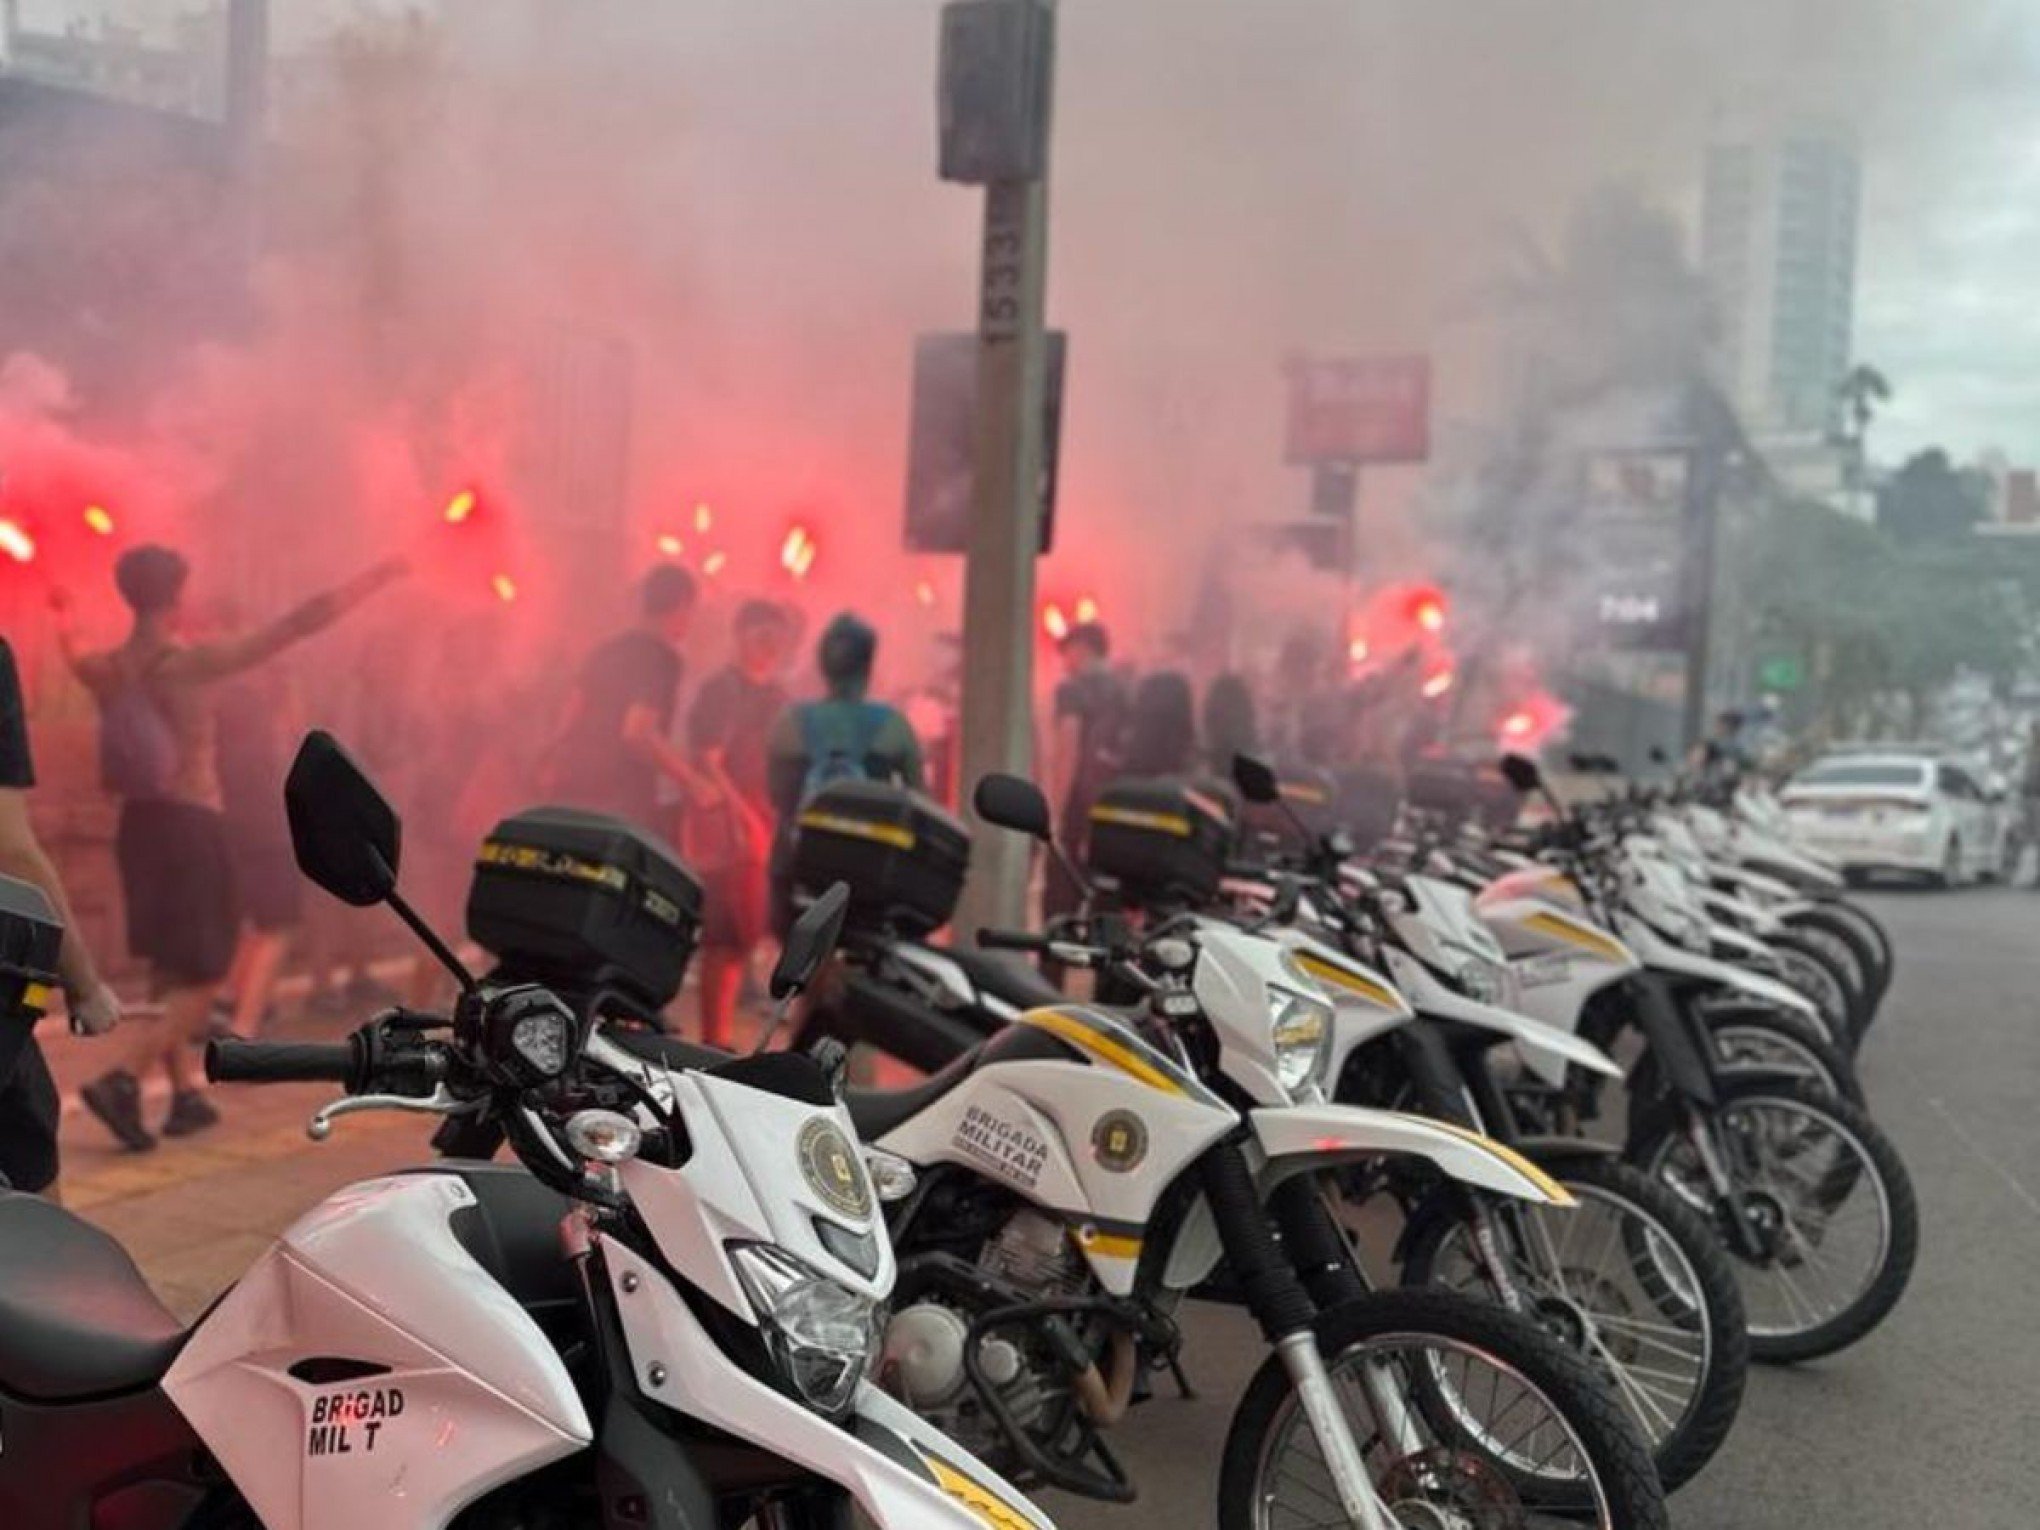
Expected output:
(1302, 1028)
(820, 1333)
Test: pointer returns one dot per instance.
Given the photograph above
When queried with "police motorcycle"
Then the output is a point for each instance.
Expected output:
(1525, 887)
(1746, 917)
(1752, 852)
(663, 1318)
(1810, 1198)
(1631, 1277)
(1085, 1169)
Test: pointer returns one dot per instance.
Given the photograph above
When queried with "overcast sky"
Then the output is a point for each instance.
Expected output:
(1948, 96)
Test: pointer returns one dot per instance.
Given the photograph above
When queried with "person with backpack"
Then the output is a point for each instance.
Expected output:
(159, 754)
(844, 736)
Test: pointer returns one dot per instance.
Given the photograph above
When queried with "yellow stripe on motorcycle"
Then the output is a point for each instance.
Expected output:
(988, 1505)
(1558, 927)
(1086, 1038)
(1347, 981)
(1550, 1188)
(896, 835)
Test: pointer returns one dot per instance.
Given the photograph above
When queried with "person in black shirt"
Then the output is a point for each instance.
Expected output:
(616, 740)
(1084, 740)
(28, 1096)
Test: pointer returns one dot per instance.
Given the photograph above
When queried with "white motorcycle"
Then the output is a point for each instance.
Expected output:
(1084, 1170)
(663, 1319)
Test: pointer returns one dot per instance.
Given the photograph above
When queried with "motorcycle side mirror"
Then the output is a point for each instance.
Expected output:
(1255, 779)
(1521, 772)
(348, 839)
(810, 941)
(1012, 802)
(344, 832)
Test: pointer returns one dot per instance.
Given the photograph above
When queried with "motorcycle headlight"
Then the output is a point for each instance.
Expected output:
(1481, 980)
(821, 1335)
(1302, 1028)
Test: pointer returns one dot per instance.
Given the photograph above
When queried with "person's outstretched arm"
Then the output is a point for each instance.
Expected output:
(215, 661)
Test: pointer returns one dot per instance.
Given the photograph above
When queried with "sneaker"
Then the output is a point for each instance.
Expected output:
(189, 1113)
(117, 1100)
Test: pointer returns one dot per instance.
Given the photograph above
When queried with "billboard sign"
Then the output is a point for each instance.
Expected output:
(1359, 409)
(1631, 532)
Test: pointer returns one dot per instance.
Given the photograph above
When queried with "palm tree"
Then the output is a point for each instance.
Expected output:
(1860, 391)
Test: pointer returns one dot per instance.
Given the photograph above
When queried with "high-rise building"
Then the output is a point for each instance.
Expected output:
(1778, 222)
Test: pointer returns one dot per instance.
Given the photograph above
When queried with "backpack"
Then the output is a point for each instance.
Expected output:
(837, 741)
(137, 746)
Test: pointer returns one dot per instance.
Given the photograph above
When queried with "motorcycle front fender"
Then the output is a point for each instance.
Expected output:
(903, 1473)
(1302, 1139)
(1546, 1050)
(1689, 969)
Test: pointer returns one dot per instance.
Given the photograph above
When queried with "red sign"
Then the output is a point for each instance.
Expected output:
(1361, 409)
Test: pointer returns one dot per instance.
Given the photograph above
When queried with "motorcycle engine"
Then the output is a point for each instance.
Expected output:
(922, 1361)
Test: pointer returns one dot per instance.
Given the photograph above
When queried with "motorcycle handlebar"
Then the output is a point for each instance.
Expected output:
(283, 1062)
(1011, 940)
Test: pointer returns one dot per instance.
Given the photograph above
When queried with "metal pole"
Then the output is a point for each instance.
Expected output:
(1005, 533)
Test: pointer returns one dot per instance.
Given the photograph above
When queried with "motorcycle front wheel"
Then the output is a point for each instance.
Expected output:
(1464, 1415)
(1777, 1038)
(1632, 1280)
(1827, 1199)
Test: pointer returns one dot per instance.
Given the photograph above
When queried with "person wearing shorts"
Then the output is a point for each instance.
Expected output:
(160, 750)
(28, 1095)
(727, 839)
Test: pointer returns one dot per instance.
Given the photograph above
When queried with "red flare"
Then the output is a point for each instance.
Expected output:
(98, 520)
(460, 507)
(505, 588)
(1437, 685)
(1054, 623)
(16, 542)
(671, 546)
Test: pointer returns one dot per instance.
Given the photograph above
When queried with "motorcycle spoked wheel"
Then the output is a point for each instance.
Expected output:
(1815, 973)
(1465, 1414)
(1827, 1195)
(1635, 1282)
(1776, 1038)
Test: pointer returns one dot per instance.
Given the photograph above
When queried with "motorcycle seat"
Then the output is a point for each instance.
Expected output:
(1015, 982)
(876, 1112)
(76, 1317)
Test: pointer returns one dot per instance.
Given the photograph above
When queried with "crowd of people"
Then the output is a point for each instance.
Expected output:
(196, 721)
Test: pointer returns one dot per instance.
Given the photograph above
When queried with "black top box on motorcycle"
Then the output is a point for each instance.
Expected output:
(903, 857)
(30, 937)
(581, 901)
(1163, 842)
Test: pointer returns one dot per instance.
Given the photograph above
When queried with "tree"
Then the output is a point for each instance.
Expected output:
(1931, 500)
(1860, 391)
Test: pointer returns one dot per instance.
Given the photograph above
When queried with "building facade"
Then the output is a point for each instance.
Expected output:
(1778, 225)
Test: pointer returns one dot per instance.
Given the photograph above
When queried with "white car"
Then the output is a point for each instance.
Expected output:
(1902, 811)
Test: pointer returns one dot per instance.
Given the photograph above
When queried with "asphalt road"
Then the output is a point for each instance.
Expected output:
(1928, 1421)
